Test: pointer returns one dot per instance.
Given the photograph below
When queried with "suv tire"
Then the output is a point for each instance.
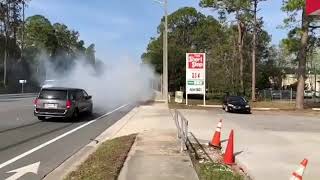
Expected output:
(41, 118)
(226, 109)
(89, 112)
(75, 115)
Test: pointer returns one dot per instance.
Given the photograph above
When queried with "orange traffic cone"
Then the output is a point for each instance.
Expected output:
(297, 175)
(228, 155)
(215, 142)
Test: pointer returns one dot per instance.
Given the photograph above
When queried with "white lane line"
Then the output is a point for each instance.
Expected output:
(56, 139)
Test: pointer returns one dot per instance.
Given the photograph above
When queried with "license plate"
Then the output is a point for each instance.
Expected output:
(51, 106)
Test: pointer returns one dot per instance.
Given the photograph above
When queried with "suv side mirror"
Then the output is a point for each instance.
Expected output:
(88, 97)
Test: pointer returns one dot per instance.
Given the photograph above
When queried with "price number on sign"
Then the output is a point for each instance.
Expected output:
(195, 75)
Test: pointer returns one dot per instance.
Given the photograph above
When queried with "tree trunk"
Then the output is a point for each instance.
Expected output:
(241, 63)
(302, 55)
(240, 48)
(234, 71)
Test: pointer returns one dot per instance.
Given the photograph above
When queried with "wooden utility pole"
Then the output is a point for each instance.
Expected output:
(6, 29)
(22, 34)
(254, 47)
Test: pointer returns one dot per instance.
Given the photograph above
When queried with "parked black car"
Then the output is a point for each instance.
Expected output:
(236, 104)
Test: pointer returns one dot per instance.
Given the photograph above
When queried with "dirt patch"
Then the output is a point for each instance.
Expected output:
(106, 162)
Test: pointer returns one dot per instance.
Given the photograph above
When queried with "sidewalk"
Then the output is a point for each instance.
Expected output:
(155, 154)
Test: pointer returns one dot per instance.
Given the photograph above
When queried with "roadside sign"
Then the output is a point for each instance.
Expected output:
(22, 81)
(178, 97)
(313, 7)
(195, 74)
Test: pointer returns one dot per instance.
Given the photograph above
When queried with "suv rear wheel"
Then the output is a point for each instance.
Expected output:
(89, 112)
(41, 118)
(75, 115)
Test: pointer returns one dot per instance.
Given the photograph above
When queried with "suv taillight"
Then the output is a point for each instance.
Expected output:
(35, 102)
(68, 104)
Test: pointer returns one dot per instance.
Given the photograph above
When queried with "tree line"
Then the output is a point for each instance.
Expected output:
(28, 44)
(240, 55)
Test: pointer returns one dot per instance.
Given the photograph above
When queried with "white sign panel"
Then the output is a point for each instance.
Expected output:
(22, 81)
(195, 73)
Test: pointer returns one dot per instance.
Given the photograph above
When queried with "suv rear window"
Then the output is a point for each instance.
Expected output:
(53, 94)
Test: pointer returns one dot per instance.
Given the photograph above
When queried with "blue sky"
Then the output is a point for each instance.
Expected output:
(122, 28)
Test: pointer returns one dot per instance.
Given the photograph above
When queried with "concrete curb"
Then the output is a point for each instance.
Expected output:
(79, 157)
(244, 168)
(239, 163)
(258, 109)
(211, 106)
(18, 95)
(124, 169)
(265, 109)
(160, 101)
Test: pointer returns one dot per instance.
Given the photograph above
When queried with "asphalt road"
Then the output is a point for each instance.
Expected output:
(270, 145)
(30, 149)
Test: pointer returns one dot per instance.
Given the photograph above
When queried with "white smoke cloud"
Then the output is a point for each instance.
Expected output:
(117, 84)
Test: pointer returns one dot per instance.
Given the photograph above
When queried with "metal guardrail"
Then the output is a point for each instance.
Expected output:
(182, 126)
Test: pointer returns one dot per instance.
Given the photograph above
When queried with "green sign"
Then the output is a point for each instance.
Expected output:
(195, 82)
(190, 82)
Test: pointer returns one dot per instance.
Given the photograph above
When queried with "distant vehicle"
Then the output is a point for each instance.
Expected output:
(236, 104)
(54, 83)
(308, 94)
(276, 95)
(62, 103)
(49, 83)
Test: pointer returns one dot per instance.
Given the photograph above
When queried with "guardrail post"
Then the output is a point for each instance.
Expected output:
(176, 121)
(186, 130)
(291, 95)
(181, 135)
(186, 134)
(182, 126)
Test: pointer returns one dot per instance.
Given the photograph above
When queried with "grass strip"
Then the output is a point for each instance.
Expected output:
(106, 162)
(215, 171)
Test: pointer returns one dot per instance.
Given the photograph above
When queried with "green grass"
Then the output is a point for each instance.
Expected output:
(193, 104)
(285, 105)
(212, 170)
(215, 171)
(106, 162)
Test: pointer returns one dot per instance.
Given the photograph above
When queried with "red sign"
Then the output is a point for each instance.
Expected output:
(195, 61)
(313, 7)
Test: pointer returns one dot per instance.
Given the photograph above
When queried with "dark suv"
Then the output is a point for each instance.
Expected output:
(62, 102)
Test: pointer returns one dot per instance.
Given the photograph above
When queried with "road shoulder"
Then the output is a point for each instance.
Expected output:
(79, 157)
